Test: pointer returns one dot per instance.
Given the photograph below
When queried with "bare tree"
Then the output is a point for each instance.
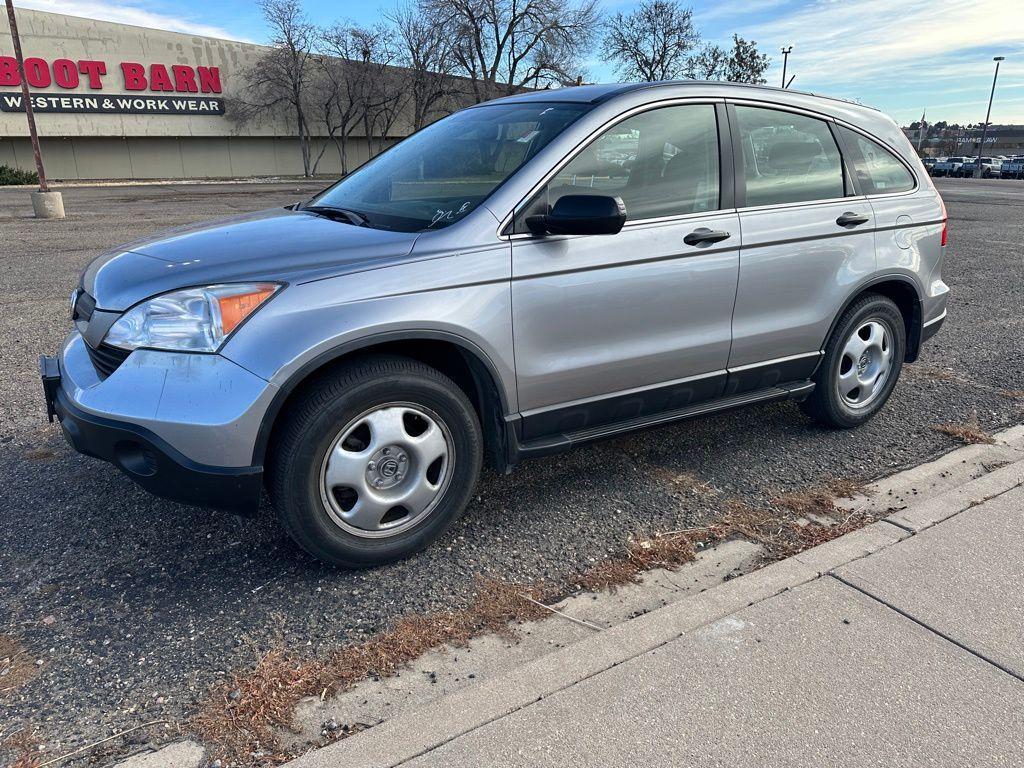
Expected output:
(652, 42)
(428, 56)
(280, 78)
(345, 90)
(710, 62)
(504, 46)
(385, 94)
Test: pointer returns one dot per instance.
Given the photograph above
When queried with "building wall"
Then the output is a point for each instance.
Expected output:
(135, 157)
(134, 146)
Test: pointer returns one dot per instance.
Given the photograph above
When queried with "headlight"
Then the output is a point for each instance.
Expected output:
(191, 320)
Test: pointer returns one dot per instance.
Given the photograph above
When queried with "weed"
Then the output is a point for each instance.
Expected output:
(16, 666)
(683, 482)
(819, 500)
(969, 431)
(22, 749)
(660, 551)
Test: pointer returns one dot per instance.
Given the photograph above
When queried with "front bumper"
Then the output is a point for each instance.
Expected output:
(182, 429)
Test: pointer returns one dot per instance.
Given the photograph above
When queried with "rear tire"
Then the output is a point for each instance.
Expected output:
(862, 363)
(375, 461)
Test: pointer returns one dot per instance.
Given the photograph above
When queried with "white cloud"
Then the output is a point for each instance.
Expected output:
(901, 55)
(847, 42)
(135, 13)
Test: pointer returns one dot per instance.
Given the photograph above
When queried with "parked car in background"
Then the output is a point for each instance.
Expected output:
(520, 278)
(990, 166)
(928, 163)
(949, 166)
(1012, 168)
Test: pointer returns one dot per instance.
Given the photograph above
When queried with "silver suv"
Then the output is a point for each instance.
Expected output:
(519, 278)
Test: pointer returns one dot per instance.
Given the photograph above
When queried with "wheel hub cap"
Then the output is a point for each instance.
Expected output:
(387, 470)
(387, 467)
(865, 364)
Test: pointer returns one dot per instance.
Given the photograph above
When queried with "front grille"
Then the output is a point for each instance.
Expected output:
(106, 359)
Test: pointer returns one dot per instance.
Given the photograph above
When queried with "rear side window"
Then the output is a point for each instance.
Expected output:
(876, 168)
(788, 158)
(661, 163)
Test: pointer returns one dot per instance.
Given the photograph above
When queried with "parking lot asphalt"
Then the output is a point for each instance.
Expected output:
(132, 606)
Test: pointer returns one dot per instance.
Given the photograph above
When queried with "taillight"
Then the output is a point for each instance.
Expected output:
(945, 222)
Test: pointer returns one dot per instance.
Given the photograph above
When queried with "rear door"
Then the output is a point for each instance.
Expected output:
(807, 241)
(615, 327)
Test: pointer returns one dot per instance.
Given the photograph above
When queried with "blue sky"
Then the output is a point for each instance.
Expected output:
(901, 56)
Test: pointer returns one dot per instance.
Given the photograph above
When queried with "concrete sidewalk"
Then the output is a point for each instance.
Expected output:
(901, 644)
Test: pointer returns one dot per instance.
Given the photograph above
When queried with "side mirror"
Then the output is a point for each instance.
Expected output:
(581, 215)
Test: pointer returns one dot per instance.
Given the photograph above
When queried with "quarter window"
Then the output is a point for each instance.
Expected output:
(788, 158)
(661, 163)
(877, 169)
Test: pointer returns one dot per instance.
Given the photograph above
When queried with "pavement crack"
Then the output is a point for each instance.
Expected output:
(902, 527)
(930, 628)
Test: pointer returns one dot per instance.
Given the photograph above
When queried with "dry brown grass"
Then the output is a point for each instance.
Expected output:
(242, 715)
(941, 374)
(969, 431)
(669, 550)
(21, 750)
(16, 666)
(819, 500)
(785, 534)
(679, 483)
(39, 454)
(779, 531)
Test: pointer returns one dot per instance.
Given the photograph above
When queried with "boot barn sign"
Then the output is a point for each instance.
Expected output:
(154, 89)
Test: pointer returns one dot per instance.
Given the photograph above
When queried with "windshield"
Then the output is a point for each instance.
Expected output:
(438, 175)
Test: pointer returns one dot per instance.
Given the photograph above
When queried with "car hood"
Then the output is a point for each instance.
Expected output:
(278, 244)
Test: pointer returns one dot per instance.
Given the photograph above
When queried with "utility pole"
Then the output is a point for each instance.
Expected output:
(785, 60)
(984, 128)
(46, 204)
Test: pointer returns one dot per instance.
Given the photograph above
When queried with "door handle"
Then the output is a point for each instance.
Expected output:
(849, 219)
(705, 235)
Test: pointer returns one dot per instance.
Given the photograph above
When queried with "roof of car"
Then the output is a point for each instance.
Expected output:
(598, 93)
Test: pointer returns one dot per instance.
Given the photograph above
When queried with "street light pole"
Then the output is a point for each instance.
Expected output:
(46, 204)
(785, 60)
(984, 127)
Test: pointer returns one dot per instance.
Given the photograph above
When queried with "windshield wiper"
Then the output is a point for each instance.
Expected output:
(337, 214)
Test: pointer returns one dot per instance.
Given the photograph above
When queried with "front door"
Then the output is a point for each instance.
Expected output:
(614, 327)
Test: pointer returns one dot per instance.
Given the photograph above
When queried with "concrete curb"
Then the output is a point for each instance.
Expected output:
(414, 733)
(922, 516)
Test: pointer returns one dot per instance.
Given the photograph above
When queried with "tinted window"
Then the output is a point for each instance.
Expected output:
(788, 158)
(661, 163)
(877, 169)
(438, 175)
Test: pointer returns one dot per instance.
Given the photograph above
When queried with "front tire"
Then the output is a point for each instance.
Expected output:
(374, 462)
(862, 363)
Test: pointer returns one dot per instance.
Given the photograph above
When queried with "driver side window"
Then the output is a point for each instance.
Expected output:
(661, 163)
